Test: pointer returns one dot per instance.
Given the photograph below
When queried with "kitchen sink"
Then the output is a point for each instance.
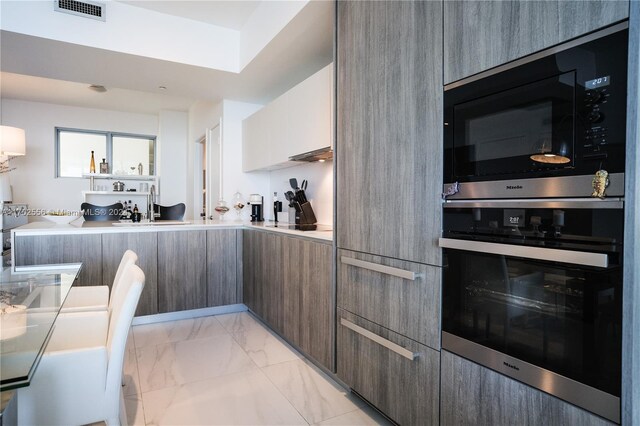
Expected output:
(156, 223)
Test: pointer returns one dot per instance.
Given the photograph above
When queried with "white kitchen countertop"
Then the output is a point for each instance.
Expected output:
(79, 226)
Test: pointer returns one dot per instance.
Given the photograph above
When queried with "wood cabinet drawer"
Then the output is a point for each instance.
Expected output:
(398, 375)
(401, 296)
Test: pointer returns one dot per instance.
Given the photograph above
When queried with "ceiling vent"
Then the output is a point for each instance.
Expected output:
(85, 9)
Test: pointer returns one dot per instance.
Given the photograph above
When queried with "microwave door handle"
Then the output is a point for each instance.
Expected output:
(598, 260)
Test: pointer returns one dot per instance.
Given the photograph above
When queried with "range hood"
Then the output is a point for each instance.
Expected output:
(322, 154)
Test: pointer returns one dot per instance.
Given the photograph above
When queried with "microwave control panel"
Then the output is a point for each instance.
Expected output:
(595, 100)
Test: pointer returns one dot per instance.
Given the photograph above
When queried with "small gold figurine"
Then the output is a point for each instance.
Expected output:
(600, 183)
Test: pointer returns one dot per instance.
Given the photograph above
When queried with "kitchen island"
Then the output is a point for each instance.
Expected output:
(207, 267)
(192, 265)
(79, 226)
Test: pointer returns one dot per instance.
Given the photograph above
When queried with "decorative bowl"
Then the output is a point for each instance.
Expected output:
(61, 219)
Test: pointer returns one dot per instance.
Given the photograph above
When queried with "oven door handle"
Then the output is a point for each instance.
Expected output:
(585, 258)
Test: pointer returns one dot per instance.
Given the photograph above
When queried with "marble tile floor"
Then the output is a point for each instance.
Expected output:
(229, 370)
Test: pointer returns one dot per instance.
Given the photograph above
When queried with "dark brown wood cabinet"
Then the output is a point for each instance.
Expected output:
(287, 283)
(389, 128)
(398, 375)
(182, 270)
(221, 267)
(263, 274)
(308, 305)
(388, 203)
(145, 244)
(51, 249)
(479, 35)
(475, 395)
(401, 296)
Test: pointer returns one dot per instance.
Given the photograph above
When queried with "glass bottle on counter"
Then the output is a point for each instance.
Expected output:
(123, 212)
(92, 164)
(238, 204)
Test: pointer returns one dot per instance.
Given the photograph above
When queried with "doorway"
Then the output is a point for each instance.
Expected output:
(207, 172)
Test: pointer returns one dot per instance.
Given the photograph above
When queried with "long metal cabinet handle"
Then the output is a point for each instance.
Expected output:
(598, 260)
(379, 340)
(383, 269)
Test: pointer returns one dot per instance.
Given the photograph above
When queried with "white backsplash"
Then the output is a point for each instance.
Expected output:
(319, 190)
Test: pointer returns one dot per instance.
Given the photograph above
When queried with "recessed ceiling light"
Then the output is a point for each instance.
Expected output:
(98, 88)
(162, 87)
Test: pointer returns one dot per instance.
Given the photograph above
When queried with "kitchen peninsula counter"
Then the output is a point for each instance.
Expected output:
(79, 226)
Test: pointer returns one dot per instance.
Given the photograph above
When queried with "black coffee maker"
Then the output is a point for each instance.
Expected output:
(256, 201)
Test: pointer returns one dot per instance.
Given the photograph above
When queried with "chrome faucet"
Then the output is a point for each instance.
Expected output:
(151, 199)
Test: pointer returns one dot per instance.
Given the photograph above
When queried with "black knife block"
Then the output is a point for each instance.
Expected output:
(304, 214)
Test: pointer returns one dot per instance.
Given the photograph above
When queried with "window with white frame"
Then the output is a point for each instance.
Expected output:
(123, 152)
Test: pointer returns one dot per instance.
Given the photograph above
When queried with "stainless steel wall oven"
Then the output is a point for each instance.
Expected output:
(532, 239)
(533, 290)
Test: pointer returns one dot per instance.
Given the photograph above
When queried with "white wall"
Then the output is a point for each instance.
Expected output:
(269, 18)
(319, 191)
(233, 178)
(173, 135)
(129, 29)
(319, 175)
(34, 179)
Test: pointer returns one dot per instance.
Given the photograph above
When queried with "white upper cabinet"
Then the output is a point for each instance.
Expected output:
(297, 122)
(310, 113)
(255, 154)
(278, 123)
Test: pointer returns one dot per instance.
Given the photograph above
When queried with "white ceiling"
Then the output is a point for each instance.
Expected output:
(304, 46)
(231, 14)
(39, 89)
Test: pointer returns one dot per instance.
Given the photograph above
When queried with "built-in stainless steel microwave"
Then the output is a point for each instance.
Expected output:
(559, 113)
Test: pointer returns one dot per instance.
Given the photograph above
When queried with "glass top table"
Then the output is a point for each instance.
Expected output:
(30, 300)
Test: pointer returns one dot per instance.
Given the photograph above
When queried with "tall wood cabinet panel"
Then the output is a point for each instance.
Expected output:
(221, 267)
(475, 395)
(182, 270)
(479, 35)
(49, 249)
(308, 305)
(145, 244)
(370, 361)
(389, 128)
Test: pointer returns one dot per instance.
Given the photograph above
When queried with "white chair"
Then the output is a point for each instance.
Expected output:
(78, 379)
(96, 298)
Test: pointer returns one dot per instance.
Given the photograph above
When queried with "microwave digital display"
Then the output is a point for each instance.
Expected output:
(597, 82)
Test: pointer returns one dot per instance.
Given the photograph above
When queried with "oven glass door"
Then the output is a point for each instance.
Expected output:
(496, 135)
(560, 317)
